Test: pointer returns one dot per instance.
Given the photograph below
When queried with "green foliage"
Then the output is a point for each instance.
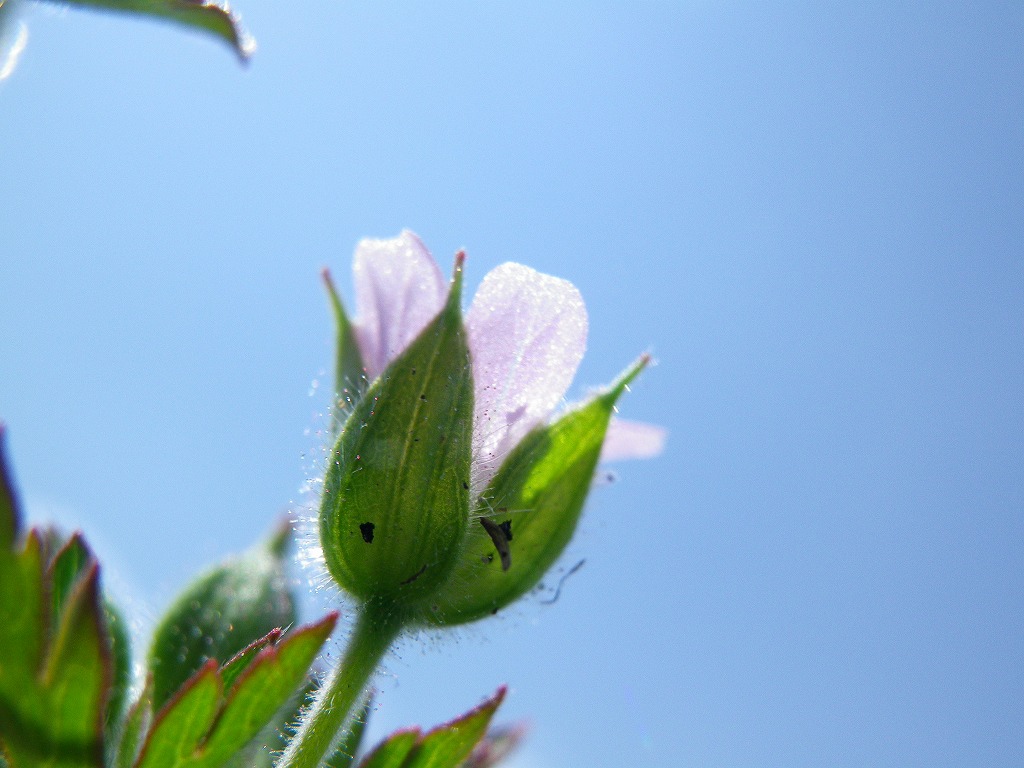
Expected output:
(56, 666)
(64, 671)
(447, 746)
(202, 15)
(396, 493)
(220, 615)
(220, 710)
(539, 492)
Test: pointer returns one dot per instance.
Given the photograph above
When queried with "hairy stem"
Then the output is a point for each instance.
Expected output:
(342, 691)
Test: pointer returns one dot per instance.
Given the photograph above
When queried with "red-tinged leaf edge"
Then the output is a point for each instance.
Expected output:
(492, 704)
(323, 627)
(245, 658)
(486, 710)
(10, 512)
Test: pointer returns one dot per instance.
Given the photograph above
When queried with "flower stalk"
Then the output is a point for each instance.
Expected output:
(343, 690)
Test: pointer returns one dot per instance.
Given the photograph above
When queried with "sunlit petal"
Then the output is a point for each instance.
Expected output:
(527, 334)
(399, 289)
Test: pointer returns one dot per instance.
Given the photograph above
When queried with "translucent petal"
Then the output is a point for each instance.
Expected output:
(632, 440)
(527, 335)
(399, 289)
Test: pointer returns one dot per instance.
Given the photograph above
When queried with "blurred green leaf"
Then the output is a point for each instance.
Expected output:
(134, 728)
(64, 570)
(446, 746)
(52, 707)
(200, 15)
(55, 664)
(120, 647)
(219, 615)
(207, 722)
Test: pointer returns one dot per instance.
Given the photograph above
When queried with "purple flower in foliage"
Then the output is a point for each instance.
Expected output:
(527, 333)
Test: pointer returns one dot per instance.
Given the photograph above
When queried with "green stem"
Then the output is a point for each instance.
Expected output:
(337, 700)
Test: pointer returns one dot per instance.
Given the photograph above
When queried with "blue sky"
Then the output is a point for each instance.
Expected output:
(810, 213)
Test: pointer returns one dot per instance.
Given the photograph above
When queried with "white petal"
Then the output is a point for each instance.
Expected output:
(527, 334)
(399, 289)
(632, 440)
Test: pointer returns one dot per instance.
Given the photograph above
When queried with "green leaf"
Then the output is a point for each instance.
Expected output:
(396, 491)
(446, 746)
(349, 373)
(78, 671)
(200, 15)
(55, 665)
(539, 492)
(134, 728)
(393, 751)
(10, 516)
(120, 652)
(65, 569)
(219, 615)
(51, 707)
(207, 722)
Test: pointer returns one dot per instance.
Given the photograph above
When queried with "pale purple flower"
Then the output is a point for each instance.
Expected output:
(526, 331)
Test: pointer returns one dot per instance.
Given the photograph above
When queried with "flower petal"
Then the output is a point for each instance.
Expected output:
(399, 289)
(527, 333)
(632, 440)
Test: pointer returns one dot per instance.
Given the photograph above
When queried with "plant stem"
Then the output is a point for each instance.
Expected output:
(336, 701)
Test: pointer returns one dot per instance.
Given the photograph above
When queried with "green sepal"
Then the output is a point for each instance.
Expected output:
(201, 15)
(219, 615)
(396, 493)
(208, 720)
(446, 746)
(539, 491)
(349, 372)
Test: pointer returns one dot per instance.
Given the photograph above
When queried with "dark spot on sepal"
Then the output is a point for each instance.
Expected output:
(465, 485)
(367, 530)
